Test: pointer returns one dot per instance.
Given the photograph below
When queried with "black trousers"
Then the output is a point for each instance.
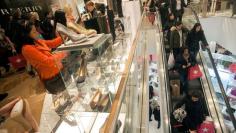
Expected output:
(119, 8)
(178, 15)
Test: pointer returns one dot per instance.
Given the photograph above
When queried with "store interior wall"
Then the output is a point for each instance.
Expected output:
(221, 30)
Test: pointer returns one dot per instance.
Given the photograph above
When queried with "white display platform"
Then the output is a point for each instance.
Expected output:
(89, 43)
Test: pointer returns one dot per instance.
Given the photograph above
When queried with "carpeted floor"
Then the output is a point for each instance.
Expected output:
(23, 85)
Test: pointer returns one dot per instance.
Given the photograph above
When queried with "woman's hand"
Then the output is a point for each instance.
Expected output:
(183, 66)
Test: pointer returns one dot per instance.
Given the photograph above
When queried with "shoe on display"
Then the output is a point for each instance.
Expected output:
(95, 99)
(82, 71)
(81, 30)
(17, 109)
(74, 37)
(103, 102)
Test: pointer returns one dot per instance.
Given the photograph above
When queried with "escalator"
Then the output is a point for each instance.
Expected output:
(204, 84)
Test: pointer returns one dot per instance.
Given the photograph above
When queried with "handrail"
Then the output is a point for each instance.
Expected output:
(218, 78)
(116, 105)
(168, 94)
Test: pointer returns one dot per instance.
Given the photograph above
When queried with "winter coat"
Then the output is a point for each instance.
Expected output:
(195, 112)
(40, 57)
(180, 61)
(193, 39)
(175, 38)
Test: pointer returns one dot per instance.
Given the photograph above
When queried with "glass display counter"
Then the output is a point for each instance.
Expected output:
(227, 77)
(88, 98)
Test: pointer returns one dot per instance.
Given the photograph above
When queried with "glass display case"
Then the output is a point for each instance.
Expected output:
(223, 63)
(92, 73)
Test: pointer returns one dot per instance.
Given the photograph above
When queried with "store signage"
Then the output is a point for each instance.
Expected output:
(22, 9)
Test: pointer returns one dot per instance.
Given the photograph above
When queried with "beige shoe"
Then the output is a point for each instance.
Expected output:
(81, 30)
(95, 99)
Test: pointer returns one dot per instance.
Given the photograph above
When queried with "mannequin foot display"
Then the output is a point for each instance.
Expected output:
(74, 37)
(95, 99)
(81, 30)
(82, 71)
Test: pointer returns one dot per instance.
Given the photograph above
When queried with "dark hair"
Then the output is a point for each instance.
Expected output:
(196, 93)
(178, 23)
(195, 27)
(183, 48)
(59, 17)
(25, 28)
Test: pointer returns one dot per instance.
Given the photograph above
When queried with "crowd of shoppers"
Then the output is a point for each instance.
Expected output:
(184, 44)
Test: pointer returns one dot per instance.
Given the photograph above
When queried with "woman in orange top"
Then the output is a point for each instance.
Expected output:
(38, 53)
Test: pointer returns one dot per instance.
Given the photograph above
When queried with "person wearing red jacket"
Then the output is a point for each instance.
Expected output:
(38, 53)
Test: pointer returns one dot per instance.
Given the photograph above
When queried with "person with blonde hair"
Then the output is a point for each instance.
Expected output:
(90, 7)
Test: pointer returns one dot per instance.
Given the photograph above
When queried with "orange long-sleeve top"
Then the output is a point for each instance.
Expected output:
(40, 57)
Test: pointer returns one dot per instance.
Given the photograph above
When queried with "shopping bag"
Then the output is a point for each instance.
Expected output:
(175, 86)
(17, 61)
(180, 113)
(232, 67)
(206, 127)
(194, 72)
(171, 61)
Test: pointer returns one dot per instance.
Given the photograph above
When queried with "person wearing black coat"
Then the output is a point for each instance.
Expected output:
(177, 38)
(177, 7)
(168, 25)
(194, 108)
(182, 63)
(151, 94)
(194, 37)
(47, 26)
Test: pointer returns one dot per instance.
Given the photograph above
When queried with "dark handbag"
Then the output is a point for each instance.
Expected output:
(55, 85)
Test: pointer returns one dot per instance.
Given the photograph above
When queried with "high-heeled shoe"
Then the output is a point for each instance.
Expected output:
(81, 30)
(95, 99)
(17, 109)
(103, 102)
(82, 71)
(74, 37)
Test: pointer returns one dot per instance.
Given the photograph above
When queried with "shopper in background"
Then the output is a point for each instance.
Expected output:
(34, 18)
(182, 63)
(178, 9)
(38, 53)
(14, 28)
(195, 110)
(194, 37)
(168, 25)
(6, 50)
(90, 7)
(151, 94)
(164, 9)
(47, 27)
(177, 38)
